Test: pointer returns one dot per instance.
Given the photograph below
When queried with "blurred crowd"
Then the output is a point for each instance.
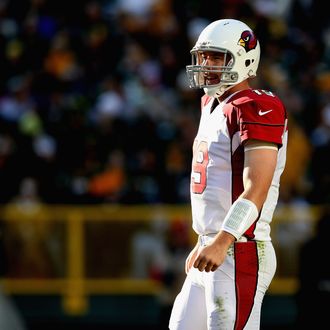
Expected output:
(95, 106)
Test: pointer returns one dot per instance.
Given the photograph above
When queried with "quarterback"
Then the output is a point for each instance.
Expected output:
(238, 157)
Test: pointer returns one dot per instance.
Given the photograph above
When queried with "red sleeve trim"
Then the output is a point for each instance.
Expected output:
(261, 131)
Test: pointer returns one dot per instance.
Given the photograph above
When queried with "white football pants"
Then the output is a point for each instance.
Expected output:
(229, 298)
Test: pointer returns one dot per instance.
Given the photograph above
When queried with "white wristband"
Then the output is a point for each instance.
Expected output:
(240, 217)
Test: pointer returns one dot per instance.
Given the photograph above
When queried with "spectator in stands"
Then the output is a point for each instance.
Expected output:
(32, 250)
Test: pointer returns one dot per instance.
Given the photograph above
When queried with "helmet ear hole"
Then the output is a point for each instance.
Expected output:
(247, 63)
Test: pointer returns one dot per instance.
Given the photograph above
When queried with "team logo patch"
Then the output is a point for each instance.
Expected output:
(248, 40)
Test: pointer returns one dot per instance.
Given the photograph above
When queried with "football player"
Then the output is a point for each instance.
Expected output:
(238, 157)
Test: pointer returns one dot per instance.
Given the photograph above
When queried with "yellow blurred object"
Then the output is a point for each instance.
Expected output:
(323, 81)
(297, 161)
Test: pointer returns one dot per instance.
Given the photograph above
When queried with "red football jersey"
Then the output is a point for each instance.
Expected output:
(218, 157)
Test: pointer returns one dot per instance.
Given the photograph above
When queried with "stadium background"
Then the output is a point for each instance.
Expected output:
(96, 127)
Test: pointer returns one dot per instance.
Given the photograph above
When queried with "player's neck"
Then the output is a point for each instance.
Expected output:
(236, 88)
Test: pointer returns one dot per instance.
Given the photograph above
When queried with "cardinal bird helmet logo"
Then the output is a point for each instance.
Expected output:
(248, 40)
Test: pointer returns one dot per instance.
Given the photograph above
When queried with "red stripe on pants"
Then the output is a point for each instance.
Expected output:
(246, 277)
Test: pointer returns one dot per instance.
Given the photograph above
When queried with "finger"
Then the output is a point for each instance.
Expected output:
(214, 268)
(209, 267)
(197, 262)
(201, 267)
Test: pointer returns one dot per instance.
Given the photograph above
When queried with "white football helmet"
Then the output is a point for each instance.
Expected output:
(241, 50)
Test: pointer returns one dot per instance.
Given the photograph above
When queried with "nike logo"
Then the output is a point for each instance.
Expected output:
(261, 113)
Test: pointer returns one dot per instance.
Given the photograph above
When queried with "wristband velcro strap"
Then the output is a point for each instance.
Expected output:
(240, 217)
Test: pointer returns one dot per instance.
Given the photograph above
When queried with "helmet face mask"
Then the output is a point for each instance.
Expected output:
(201, 75)
(240, 50)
